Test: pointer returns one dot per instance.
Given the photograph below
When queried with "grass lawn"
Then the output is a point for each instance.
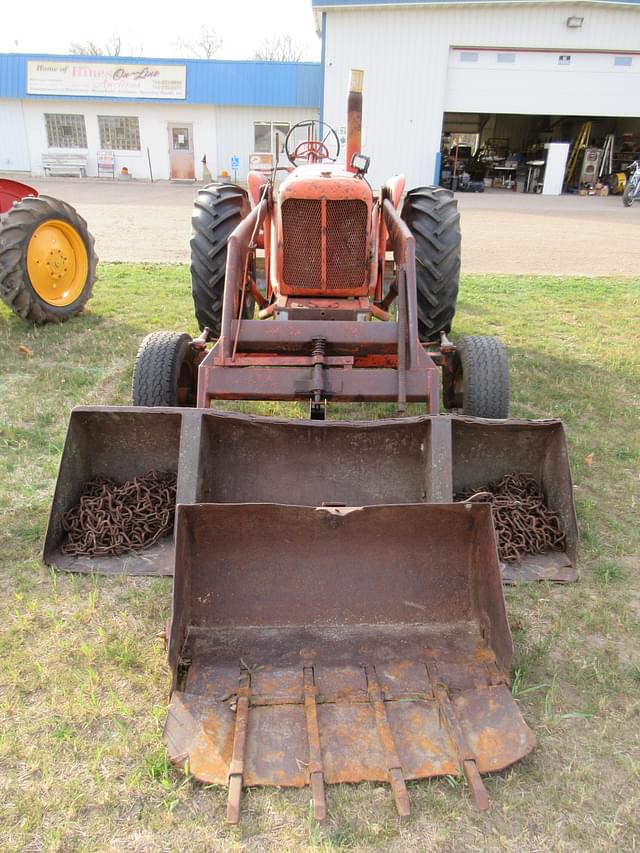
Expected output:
(84, 684)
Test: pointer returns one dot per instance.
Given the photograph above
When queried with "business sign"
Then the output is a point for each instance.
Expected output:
(261, 162)
(106, 79)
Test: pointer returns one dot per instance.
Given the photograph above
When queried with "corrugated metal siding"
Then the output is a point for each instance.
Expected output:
(345, 4)
(404, 98)
(235, 136)
(278, 84)
(13, 71)
(14, 148)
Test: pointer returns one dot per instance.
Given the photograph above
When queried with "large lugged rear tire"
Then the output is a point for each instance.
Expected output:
(164, 372)
(483, 376)
(432, 216)
(218, 209)
(47, 260)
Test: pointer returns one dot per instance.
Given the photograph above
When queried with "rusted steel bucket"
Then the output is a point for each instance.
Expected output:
(483, 451)
(321, 645)
(119, 443)
(233, 458)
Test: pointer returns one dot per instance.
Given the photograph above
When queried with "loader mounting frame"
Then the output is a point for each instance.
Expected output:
(320, 360)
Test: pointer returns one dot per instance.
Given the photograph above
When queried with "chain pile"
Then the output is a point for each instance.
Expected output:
(114, 519)
(524, 524)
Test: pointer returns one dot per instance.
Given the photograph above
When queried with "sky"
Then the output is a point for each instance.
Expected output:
(44, 27)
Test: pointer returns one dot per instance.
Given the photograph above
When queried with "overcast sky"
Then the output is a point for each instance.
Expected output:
(35, 26)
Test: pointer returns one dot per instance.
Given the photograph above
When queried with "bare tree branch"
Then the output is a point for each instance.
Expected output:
(280, 48)
(205, 46)
(85, 48)
(112, 47)
(114, 44)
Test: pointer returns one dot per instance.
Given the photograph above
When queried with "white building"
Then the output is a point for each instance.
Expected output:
(525, 71)
(157, 115)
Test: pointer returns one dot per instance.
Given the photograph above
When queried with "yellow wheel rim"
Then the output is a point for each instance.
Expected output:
(57, 262)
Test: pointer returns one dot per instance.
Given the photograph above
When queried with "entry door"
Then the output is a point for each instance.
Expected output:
(181, 161)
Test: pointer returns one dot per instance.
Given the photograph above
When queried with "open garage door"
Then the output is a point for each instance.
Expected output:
(532, 153)
(542, 120)
(540, 82)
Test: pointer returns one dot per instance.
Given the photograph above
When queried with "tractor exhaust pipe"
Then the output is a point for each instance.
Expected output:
(354, 116)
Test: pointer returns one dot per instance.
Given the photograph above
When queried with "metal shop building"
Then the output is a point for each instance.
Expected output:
(510, 76)
(74, 114)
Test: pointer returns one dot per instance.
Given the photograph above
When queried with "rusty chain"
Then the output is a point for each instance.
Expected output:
(524, 523)
(113, 519)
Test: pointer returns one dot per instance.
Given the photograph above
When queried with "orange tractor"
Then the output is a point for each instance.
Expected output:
(336, 615)
(47, 259)
(325, 236)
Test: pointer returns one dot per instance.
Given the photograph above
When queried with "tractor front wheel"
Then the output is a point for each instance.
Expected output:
(165, 372)
(433, 219)
(478, 383)
(47, 260)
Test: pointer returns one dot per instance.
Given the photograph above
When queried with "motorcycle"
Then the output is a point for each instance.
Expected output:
(632, 189)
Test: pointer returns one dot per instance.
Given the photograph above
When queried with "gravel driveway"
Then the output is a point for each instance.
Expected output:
(503, 232)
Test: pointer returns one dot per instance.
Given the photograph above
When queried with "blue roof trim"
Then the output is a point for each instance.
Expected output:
(213, 81)
(327, 4)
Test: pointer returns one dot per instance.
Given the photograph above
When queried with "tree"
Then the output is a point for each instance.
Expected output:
(114, 44)
(279, 48)
(205, 46)
(112, 47)
(86, 48)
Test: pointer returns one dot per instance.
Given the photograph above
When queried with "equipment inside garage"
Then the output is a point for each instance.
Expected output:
(537, 154)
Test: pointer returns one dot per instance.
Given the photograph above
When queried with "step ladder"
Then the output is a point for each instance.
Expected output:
(582, 141)
(606, 164)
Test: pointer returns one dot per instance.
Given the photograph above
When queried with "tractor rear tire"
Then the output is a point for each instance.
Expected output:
(432, 216)
(47, 260)
(483, 373)
(165, 371)
(218, 209)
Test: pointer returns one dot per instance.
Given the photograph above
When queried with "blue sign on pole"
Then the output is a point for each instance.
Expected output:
(235, 162)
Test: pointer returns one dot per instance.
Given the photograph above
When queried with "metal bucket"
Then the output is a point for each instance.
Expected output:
(321, 645)
(233, 458)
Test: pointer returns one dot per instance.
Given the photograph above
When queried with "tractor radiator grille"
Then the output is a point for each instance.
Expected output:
(344, 266)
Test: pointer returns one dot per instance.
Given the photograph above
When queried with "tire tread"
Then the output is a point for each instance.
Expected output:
(485, 373)
(155, 371)
(432, 216)
(218, 209)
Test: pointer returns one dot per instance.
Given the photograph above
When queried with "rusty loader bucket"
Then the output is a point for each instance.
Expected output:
(337, 617)
(314, 645)
(233, 458)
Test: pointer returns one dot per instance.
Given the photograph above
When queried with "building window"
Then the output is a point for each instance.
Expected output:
(468, 57)
(563, 59)
(506, 57)
(121, 133)
(65, 131)
(624, 61)
(264, 136)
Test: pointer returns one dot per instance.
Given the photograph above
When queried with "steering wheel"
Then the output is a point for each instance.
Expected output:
(321, 143)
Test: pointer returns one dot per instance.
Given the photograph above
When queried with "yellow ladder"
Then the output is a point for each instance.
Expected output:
(582, 140)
